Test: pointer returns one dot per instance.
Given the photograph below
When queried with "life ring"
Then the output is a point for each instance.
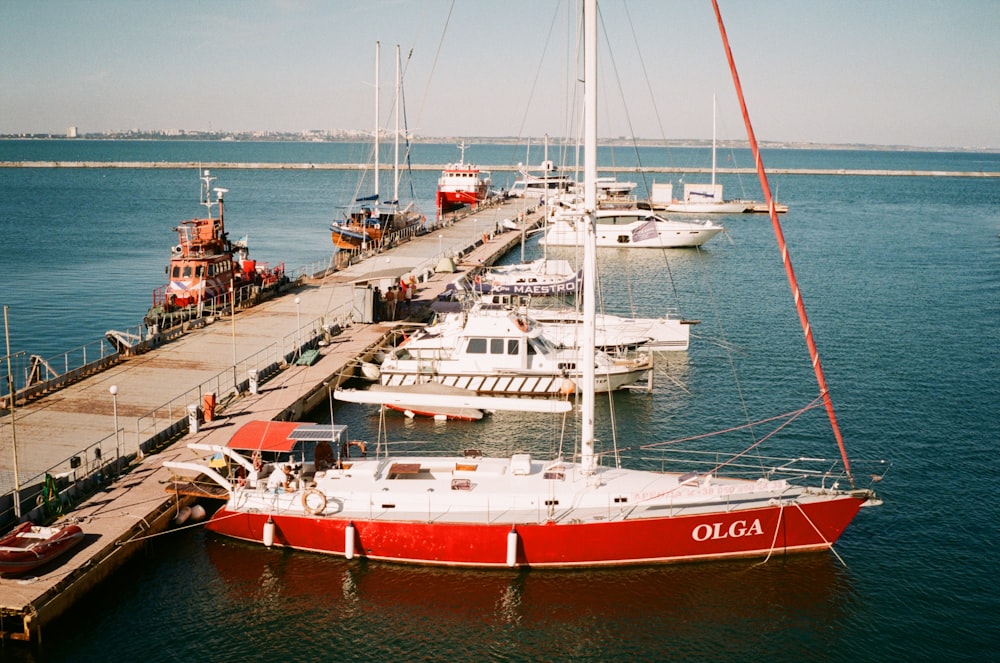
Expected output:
(521, 323)
(314, 509)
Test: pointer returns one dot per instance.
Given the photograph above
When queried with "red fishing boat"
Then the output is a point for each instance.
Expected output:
(207, 270)
(462, 184)
(590, 510)
(29, 546)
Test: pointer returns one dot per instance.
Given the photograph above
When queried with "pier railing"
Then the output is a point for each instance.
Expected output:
(50, 492)
(34, 375)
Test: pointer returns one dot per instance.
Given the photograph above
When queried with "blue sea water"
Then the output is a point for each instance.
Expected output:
(901, 276)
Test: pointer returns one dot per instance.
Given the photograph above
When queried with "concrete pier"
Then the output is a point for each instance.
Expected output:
(107, 449)
(228, 165)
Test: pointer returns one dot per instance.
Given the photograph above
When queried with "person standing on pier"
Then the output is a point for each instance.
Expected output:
(377, 305)
(390, 303)
(410, 290)
(404, 295)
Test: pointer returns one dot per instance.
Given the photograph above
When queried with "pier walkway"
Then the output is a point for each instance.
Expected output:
(111, 447)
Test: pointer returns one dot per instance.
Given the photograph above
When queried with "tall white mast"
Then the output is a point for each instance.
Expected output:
(12, 390)
(713, 144)
(377, 51)
(395, 168)
(587, 341)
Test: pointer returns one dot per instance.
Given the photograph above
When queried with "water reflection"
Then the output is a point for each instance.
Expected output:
(376, 611)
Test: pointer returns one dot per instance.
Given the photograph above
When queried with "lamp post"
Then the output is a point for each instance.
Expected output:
(114, 400)
(440, 245)
(329, 396)
(298, 325)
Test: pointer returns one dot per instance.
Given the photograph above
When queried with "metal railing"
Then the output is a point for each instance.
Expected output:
(98, 462)
(35, 373)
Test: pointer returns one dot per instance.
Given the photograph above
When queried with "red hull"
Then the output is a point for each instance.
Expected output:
(429, 413)
(450, 199)
(752, 533)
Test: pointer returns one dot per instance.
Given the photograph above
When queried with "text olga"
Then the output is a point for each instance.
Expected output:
(736, 529)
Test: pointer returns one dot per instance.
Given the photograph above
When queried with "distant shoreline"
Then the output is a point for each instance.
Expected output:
(231, 165)
(481, 140)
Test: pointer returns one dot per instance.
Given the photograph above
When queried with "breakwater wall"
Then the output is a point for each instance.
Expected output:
(168, 165)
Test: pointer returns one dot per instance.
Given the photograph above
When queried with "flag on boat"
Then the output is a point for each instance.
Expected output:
(645, 232)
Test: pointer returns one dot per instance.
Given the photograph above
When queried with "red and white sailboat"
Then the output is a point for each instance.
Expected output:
(472, 510)
(462, 184)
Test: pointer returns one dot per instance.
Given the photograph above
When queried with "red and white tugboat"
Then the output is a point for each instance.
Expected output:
(206, 268)
(462, 184)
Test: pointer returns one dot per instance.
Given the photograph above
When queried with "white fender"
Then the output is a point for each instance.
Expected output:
(349, 541)
(512, 547)
(269, 533)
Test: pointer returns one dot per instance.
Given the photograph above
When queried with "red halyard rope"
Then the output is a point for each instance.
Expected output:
(779, 235)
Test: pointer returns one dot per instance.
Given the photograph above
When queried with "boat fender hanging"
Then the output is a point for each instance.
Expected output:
(512, 547)
(314, 501)
(522, 324)
(349, 541)
(269, 533)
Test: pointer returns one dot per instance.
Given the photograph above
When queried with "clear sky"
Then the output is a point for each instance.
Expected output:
(886, 72)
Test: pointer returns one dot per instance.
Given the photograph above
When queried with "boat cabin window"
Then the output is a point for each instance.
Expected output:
(177, 272)
(187, 271)
(496, 346)
(477, 346)
(199, 270)
(513, 346)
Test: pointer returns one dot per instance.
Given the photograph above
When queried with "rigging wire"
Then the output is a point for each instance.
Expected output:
(725, 345)
(437, 54)
(649, 87)
(790, 416)
(534, 83)
(621, 93)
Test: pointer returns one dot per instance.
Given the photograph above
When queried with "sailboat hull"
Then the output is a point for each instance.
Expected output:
(759, 532)
(634, 235)
(710, 207)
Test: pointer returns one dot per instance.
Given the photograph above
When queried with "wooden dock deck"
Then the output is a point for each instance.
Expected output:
(112, 447)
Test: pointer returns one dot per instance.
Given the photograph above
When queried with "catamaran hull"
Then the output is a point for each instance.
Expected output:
(760, 532)
(514, 385)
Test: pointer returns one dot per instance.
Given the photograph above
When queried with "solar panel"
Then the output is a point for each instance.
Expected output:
(317, 432)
